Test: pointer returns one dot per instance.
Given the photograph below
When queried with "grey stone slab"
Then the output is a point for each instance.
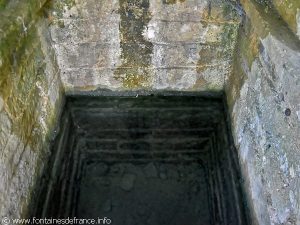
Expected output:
(177, 31)
(127, 182)
(187, 55)
(76, 31)
(89, 55)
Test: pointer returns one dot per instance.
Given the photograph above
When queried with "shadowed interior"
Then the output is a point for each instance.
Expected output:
(157, 159)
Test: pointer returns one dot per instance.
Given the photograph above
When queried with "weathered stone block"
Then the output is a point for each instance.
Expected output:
(289, 10)
(27, 70)
(264, 127)
(76, 31)
(137, 40)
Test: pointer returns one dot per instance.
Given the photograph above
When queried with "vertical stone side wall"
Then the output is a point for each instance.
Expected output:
(263, 95)
(289, 10)
(30, 97)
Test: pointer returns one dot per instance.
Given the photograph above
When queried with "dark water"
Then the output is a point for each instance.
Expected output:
(143, 160)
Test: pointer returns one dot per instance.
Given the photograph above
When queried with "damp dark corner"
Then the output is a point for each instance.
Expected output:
(144, 158)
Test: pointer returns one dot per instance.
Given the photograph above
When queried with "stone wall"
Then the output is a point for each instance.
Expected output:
(289, 10)
(156, 45)
(148, 44)
(264, 101)
(30, 98)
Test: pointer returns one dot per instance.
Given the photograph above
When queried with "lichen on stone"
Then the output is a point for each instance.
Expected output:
(136, 52)
(170, 2)
(61, 6)
(228, 39)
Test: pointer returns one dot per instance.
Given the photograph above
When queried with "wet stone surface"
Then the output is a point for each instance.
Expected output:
(145, 160)
(137, 195)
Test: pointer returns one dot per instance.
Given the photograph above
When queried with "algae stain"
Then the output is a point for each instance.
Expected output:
(250, 48)
(248, 43)
(238, 75)
(135, 70)
(206, 56)
(288, 11)
(3, 3)
(17, 87)
(170, 2)
(200, 83)
(228, 39)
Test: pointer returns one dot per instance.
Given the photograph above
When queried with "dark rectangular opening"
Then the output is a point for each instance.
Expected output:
(144, 159)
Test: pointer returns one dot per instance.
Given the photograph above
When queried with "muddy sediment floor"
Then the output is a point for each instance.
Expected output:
(144, 160)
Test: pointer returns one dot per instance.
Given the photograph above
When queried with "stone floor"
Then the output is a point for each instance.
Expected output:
(151, 193)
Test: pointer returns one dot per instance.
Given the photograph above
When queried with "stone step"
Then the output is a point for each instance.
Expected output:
(156, 101)
(170, 120)
(140, 160)
(149, 144)
(140, 156)
(138, 133)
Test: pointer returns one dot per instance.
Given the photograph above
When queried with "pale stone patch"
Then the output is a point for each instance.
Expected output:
(298, 22)
(149, 31)
(1, 103)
